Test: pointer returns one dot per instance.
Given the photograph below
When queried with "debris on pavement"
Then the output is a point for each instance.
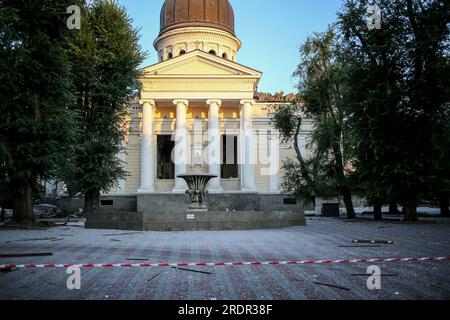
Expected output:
(22, 255)
(367, 275)
(153, 278)
(332, 286)
(6, 270)
(374, 241)
(360, 246)
(190, 270)
(36, 239)
(122, 234)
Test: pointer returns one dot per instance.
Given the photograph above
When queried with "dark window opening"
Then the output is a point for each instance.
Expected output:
(182, 52)
(107, 203)
(230, 168)
(166, 167)
(213, 52)
(290, 201)
(170, 56)
(225, 56)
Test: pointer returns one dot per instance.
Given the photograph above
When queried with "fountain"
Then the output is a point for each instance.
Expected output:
(197, 191)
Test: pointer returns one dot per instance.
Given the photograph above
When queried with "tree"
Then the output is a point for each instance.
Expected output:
(397, 87)
(440, 176)
(37, 125)
(300, 177)
(321, 88)
(106, 54)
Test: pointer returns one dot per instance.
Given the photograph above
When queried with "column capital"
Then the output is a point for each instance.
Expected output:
(247, 101)
(214, 101)
(150, 102)
(183, 101)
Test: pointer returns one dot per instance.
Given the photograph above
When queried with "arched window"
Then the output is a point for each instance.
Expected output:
(224, 55)
(170, 55)
(182, 52)
(213, 52)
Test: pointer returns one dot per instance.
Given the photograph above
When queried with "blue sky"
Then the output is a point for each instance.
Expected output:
(271, 32)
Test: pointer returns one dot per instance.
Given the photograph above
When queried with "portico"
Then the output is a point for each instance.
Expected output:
(211, 142)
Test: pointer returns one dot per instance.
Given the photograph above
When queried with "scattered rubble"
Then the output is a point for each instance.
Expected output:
(190, 270)
(360, 246)
(36, 239)
(22, 255)
(153, 278)
(366, 275)
(6, 270)
(122, 234)
(374, 241)
(332, 286)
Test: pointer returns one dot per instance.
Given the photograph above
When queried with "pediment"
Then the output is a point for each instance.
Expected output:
(199, 63)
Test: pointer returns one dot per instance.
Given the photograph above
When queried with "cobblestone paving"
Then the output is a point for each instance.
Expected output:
(321, 239)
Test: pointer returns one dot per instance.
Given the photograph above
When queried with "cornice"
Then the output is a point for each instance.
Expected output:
(199, 30)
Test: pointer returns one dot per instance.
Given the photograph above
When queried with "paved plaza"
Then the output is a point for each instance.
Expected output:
(322, 238)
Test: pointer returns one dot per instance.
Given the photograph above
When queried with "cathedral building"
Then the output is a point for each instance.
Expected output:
(199, 111)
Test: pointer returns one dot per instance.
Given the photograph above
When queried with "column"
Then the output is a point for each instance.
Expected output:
(147, 149)
(274, 166)
(180, 153)
(247, 147)
(214, 160)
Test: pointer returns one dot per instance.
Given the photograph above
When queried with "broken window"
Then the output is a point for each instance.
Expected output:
(166, 167)
(230, 168)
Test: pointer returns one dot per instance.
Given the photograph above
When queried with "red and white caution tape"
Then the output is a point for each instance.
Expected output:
(219, 264)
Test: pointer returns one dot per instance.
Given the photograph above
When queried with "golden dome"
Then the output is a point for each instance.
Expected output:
(197, 13)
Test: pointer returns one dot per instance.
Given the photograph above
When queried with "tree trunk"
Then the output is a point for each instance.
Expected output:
(411, 210)
(2, 215)
(91, 202)
(23, 205)
(377, 210)
(347, 195)
(444, 204)
(393, 208)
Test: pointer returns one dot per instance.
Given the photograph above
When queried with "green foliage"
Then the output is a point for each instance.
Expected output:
(287, 119)
(380, 102)
(36, 124)
(321, 88)
(105, 57)
(398, 88)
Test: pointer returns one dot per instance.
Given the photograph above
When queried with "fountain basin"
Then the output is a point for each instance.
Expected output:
(197, 190)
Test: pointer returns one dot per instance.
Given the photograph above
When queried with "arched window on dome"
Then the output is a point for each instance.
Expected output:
(224, 55)
(182, 52)
(170, 55)
(213, 52)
